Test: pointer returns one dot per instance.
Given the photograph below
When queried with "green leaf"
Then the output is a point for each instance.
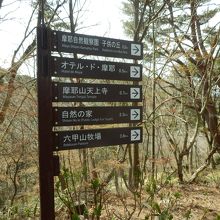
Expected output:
(165, 215)
(156, 207)
(218, 217)
(98, 210)
(154, 185)
(86, 212)
(187, 215)
(75, 217)
(95, 183)
(177, 195)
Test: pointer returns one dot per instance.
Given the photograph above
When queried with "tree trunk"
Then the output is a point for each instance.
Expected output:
(180, 168)
(136, 160)
(1, 1)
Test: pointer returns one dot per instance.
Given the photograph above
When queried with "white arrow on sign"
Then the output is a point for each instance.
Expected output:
(135, 72)
(136, 49)
(135, 93)
(135, 114)
(135, 135)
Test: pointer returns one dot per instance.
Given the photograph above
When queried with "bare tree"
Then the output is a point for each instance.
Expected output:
(1, 1)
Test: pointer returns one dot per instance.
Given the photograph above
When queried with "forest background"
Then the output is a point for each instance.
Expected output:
(181, 142)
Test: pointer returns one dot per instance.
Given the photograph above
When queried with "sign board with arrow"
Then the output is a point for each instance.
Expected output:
(68, 116)
(50, 92)
(82, 92)
(93, 45)
(94, 69)
(66, 140)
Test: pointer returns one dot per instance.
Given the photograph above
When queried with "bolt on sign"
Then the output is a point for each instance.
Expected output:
(93, 45)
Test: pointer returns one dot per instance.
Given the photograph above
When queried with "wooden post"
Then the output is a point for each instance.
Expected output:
(46, 167)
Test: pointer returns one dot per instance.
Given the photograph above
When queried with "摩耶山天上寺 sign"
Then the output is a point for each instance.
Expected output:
(83, 92)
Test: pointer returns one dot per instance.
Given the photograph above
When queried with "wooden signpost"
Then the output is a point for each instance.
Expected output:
(53, 91)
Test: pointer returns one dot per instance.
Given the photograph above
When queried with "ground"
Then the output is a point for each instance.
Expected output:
(201, 200)
(194, 202)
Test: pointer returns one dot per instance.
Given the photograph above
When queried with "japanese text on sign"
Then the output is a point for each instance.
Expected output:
(80, 40)
(84, 90)
(81, 137)
(90, 41)
(76, 139)
(79, 66)
(98, 92)
(93, 45)
(83, 68)
(96, 115)
(76, 114)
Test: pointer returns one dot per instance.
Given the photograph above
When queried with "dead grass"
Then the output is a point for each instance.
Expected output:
(197, 201)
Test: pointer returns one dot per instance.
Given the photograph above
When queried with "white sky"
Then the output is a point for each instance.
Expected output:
(105, 13)
(108, 15)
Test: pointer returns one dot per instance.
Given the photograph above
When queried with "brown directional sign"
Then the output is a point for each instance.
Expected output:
(65, 140)
(64, 116)
(94, 69)
(82, 92)
(48, 92)
(93, 45)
